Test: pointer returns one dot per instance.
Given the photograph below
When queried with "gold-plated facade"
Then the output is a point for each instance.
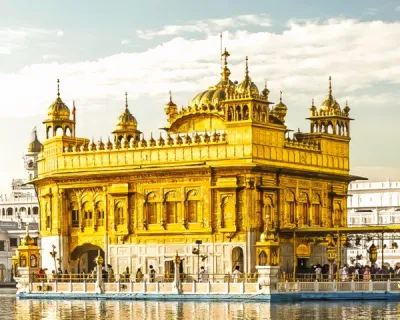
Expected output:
(223, 173)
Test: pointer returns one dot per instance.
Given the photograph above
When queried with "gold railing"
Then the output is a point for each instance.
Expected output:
(167, 277)
(311, 277)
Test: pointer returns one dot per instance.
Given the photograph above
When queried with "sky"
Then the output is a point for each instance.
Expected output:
(100, 49)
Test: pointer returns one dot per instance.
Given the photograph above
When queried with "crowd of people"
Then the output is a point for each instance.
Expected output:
(356, 272)
(108, 275)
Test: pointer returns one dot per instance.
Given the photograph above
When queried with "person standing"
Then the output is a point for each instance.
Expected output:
(139, 275)
(152, 274)
(202, 275)
(236, 274)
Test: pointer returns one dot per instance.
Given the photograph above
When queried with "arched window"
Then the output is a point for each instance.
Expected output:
(304, 209)
(68, 132)
(192, 211)
(87, 214)
(316, 208)
(171, 207)
(99, 211)
(262, 258)
(33, 261)
(119, 214)
(230, 114)
(291, 207)
(237, 258)
(192, 206)
(238, 114)
(245, 113)
(152, 212)
(59, 131)
(49, 132)
(22, 261)
(151, 208)
(74, 214)
(35, 210)
(337, 215)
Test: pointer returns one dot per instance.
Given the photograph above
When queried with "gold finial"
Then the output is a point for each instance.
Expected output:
(225, 54)
(221, 48)
(58, 87)
(330, 86)
(126, 100)
(280, 98)
(312, 101)
(170, 96)
(247, 67)
(27, 228)
(265, 82)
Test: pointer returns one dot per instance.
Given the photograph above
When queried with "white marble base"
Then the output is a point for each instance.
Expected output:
(267, 279)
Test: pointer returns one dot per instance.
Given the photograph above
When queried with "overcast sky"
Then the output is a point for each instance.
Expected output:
(100, 49)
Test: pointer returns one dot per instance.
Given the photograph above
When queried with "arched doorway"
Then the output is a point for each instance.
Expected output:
(85, 255)
(237, 258)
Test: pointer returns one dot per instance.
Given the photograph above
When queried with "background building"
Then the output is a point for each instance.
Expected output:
(18, 208)
(375, 204)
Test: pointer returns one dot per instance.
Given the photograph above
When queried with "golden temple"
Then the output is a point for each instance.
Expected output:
(224, 173)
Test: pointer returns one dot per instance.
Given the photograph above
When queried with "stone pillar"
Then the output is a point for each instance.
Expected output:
(267, 279)
(176, 285)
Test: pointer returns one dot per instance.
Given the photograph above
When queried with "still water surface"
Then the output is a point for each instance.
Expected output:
(12, 308)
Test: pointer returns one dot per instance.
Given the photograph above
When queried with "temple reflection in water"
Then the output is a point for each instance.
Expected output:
(161, 310)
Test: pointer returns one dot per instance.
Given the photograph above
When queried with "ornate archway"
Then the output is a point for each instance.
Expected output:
(85, 254)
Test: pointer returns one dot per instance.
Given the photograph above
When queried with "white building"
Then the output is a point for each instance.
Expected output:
(17, 209)
(375, 204)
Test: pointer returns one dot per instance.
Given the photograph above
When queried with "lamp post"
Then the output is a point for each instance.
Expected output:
(331, 251)
(198, 242)
(373, 254)
(53, 254)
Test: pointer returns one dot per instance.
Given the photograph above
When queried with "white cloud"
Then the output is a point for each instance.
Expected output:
(125, 41)
(360, 56)
(60, 33)
(209, 26)
(12, 39)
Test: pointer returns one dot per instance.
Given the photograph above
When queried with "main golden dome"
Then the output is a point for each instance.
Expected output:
(58, 110)
(215, 94)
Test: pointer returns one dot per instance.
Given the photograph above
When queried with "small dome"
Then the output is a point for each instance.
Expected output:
(170, 107)
(126, 121)
(330, 102)
(27, 240)
(34, 145)
(280, 106)
(247, 85)
(58, 110)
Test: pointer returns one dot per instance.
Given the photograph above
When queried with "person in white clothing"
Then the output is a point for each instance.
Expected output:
(236, 274)
(202, 275)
